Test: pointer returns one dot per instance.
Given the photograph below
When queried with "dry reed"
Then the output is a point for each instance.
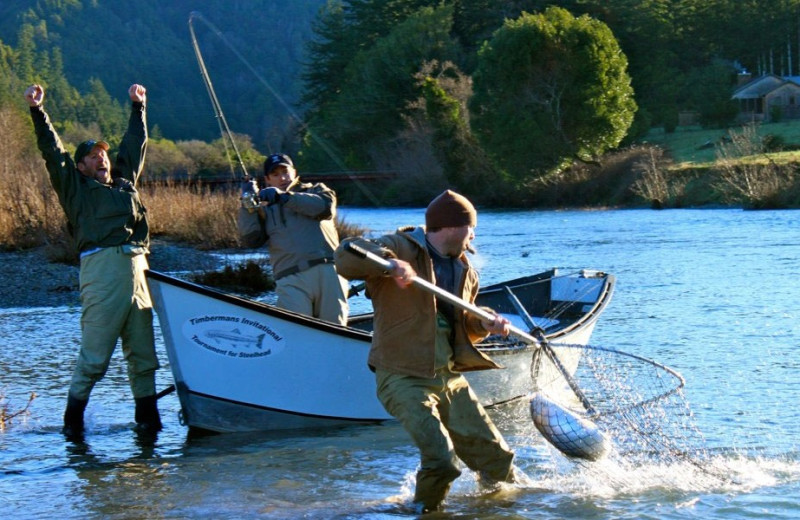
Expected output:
(195, 215)
(29, 212)
(748, 175)
(7, 415)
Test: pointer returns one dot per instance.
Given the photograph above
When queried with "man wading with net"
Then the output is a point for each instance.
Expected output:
(109, 224)
(421, 345)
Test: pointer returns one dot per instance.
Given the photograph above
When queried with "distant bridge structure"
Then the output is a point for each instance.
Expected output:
(225, 180)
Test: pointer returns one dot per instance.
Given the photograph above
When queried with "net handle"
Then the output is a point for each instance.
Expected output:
(548, 350)
(483, 314)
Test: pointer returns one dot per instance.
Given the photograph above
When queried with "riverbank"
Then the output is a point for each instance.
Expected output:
(31, 280)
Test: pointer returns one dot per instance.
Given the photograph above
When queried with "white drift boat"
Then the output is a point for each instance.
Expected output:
(242, 365)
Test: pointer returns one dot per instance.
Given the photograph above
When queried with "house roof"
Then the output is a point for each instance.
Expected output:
(788, 86)
(764, 85)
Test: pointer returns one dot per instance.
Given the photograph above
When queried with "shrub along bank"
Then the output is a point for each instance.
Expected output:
(747, 172)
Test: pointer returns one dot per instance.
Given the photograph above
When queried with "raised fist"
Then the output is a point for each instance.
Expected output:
(34, 95)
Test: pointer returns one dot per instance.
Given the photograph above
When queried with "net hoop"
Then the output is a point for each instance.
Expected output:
(576, 356)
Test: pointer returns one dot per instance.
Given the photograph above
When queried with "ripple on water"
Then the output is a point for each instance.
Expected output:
(710, 293)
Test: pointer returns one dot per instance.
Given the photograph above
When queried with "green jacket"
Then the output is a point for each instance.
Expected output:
(404, 331)
(99, 215)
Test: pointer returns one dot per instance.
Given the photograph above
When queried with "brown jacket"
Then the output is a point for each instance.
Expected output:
(405, 319)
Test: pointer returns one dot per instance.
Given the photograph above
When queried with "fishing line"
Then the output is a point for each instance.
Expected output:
(322, 144)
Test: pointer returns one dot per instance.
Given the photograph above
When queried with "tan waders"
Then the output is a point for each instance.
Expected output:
(115, 304)
(318, 292)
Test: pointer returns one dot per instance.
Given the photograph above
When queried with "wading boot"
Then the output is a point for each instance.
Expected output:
(147, 417)
(73, 418)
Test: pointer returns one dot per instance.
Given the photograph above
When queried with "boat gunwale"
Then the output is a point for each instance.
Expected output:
(359, 334)
(589, 317)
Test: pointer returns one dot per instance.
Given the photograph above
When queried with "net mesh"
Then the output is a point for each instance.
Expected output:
(637, 403)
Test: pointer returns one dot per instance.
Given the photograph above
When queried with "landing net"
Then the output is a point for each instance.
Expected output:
(637, 403)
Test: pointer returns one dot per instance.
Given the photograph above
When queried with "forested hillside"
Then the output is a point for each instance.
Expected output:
(124, 41)
(421, 86)
(491, 97)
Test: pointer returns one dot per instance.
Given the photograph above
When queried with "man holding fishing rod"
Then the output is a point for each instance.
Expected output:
(297, 221)
(421, 344)
(108, 221)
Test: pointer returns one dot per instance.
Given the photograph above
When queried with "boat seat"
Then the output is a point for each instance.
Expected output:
(517, 321)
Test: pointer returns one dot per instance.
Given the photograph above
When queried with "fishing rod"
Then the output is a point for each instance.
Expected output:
(227, 135)
(195, 15)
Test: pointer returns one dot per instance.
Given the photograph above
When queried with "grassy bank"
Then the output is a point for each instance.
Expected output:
(690, 145)
(753, 166)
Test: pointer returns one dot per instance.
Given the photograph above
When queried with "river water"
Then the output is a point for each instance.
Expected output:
(711, 293)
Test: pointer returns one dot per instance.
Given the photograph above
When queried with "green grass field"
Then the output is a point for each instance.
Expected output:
(691, 144)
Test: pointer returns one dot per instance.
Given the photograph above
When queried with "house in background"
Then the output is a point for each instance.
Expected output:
(768, 98)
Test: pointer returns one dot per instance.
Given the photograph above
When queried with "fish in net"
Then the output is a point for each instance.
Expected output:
(590, 401)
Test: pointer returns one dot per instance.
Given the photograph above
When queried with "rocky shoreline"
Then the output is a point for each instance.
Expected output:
(29, 279)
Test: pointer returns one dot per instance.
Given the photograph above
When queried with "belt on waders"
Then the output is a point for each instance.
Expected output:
(302, 266)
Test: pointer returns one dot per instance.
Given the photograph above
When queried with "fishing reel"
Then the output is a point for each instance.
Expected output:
(250, 202)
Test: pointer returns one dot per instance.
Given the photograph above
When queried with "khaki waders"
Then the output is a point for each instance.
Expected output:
(317, 292)
(115, 304)
(447, 423)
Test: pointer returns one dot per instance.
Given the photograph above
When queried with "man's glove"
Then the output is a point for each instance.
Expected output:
(249, 190)
(273, 195)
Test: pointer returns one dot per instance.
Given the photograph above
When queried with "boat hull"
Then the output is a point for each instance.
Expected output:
(241, 365)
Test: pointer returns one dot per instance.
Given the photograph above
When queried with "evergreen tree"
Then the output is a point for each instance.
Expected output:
(8, 79)
(474, 21)
(127, 41)
(378, 84)
(549, 89)
(708, 92)
(446, 92)
(26, 54)
(343, 30)
(98, 107)
(327, 56)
